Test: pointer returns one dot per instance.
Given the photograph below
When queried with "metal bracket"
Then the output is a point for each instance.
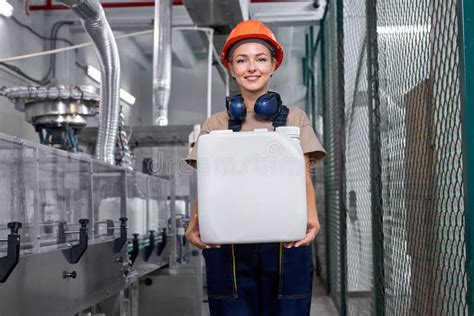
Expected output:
(162, 243)
(9, 262)
(149, 249)
(62, 228)
(110, 227)
(75, 253)
(119, 242)
(135, 249)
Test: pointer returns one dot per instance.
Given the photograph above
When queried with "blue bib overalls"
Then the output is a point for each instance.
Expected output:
(259, 280)
(262, 279)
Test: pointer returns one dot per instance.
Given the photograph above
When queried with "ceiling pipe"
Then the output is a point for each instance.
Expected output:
(162, 62)
(50, 6)
(269, 1)
(95, 23)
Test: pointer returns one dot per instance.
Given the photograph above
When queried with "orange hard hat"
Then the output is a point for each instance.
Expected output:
(251, 29)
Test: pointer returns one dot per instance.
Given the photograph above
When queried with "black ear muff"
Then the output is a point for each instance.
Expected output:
(268, 105)
(236, 107)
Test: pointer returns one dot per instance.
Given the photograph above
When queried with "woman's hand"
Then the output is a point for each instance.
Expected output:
(194, 237)
(312, 230)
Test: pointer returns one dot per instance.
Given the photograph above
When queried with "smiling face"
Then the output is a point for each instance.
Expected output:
(252, 65)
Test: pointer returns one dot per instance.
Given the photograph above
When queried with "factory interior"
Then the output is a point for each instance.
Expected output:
(101, 101)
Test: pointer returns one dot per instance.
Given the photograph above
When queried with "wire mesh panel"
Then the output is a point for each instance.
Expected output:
(401, 110)
(448, 188)
(421, 158)
(357, 156)
(332, 164)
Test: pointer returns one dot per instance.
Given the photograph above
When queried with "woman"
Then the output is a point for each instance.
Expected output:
(268, 278)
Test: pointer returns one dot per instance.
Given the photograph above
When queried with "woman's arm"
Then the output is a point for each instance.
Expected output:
(192, 232)
(312, 228)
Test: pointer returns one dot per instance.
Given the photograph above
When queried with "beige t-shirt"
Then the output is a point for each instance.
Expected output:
(296, 117)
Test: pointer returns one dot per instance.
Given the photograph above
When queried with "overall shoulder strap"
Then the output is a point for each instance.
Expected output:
(235, 125)
(281, 118)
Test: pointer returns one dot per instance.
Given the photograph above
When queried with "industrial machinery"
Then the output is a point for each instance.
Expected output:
(156, 291)
(88, 231)
(57, 113)
(66, 219)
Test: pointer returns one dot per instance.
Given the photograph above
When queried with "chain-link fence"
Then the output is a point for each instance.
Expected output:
(389, 83)
(333, 167)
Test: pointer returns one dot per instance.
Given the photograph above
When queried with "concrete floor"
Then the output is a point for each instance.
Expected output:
(321, 304)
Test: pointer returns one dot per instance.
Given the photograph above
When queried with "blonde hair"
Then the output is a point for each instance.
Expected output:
(251, 40)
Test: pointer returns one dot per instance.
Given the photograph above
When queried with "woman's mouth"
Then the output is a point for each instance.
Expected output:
(252, 78)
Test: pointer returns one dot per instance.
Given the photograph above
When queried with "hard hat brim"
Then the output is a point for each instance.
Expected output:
(278, 49)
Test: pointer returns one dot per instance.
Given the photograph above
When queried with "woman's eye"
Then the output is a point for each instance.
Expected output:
(262, 60)
(240, 61)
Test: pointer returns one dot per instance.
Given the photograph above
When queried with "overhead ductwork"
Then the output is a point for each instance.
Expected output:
(300, 13)
(95, 23)
(162, 62)
(222, 16)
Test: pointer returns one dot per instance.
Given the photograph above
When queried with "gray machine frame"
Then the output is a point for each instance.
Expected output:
(45, 282)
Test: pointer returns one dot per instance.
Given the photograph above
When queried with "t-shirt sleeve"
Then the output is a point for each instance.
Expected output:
(205, 129)
(309, 141)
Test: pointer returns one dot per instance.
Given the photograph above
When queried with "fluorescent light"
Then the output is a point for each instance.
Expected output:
(94, 73)
(127, 97)
(294, 14)
(6, 8)
(404, 29)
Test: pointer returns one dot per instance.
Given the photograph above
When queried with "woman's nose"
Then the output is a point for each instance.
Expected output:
(251, 66)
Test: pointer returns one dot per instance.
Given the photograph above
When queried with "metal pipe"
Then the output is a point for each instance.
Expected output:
(162, 62)
(466, 52)
(210, 37)
(49, 6)
(338, 7)
(227, 83)
(326, 140)
(63, 49)
(95, 23)
(376, 184)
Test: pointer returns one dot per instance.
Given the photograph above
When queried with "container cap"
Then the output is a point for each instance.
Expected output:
(222, 131)
(291, 131)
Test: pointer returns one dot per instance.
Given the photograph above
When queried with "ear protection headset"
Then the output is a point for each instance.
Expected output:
(267, 106)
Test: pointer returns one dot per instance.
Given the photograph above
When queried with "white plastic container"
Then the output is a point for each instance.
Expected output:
(138, 220)
(251, 186)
